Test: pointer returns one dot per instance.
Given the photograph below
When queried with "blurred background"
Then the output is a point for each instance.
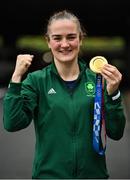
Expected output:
(22, 28)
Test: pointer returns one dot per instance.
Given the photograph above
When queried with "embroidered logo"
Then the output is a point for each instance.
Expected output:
(90, 88)
(51, 91)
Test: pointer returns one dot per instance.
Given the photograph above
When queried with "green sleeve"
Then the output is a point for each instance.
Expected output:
(19, 105)
(115, 117)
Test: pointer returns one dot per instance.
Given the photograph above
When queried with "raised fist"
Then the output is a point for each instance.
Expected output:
(22, 64)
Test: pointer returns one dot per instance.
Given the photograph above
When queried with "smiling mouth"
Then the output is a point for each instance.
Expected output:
(65, 52)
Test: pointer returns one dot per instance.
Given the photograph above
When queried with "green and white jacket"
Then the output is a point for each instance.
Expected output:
(63, 121)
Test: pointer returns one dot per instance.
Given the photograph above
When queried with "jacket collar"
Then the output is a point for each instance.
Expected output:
(82, 66)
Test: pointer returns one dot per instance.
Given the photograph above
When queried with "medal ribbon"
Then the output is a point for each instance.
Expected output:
(99, 130)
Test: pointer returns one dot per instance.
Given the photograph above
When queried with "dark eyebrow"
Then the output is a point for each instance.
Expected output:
(72, 34)
(58, 35)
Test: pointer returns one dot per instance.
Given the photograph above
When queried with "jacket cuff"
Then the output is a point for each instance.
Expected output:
(115, 97)
(14, 88)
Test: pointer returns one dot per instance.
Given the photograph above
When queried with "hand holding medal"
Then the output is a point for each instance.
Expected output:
(96, 64)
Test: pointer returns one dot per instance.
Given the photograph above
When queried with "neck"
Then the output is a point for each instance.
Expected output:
(68, 71)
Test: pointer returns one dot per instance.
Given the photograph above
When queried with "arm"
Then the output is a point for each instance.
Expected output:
(20, 99)
(19, 104)
(114, 113)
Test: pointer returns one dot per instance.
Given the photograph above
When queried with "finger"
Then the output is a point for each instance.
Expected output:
(27, 65)
(110, 68)
(25, 56)
(111, 77)
(29, 57)
(28, 61)
(32, 56)
(112, 72)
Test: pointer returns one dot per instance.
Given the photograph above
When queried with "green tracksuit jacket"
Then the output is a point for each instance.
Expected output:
(63, 122)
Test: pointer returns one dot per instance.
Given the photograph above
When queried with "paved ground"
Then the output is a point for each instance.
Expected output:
(16, 150)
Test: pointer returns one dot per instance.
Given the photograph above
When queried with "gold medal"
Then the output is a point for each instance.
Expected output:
(97, 63)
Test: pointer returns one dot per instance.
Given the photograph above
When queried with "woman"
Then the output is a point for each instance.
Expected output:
(57, 100)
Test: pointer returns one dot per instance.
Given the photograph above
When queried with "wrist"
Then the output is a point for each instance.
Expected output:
(116, 95)
(16, 78)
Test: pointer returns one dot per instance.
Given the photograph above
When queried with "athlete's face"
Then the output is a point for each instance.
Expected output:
(64, 40)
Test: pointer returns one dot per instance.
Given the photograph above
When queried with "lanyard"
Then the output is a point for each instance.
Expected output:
(99, 131)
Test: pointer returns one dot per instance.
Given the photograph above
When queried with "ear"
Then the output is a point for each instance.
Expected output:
(48, 41)
(80, 39)
(81, 42)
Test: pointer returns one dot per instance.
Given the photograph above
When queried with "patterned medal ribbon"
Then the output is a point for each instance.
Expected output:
(99, 130)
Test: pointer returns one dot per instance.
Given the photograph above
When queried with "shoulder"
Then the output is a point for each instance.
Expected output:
(37, 77)
(41, 73)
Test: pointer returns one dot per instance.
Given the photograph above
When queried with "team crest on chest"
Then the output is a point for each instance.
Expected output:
(90, 88)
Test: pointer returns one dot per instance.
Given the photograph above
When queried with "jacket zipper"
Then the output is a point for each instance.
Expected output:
(74, 135)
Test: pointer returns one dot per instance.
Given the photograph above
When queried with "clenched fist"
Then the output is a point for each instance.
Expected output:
(22, 64)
